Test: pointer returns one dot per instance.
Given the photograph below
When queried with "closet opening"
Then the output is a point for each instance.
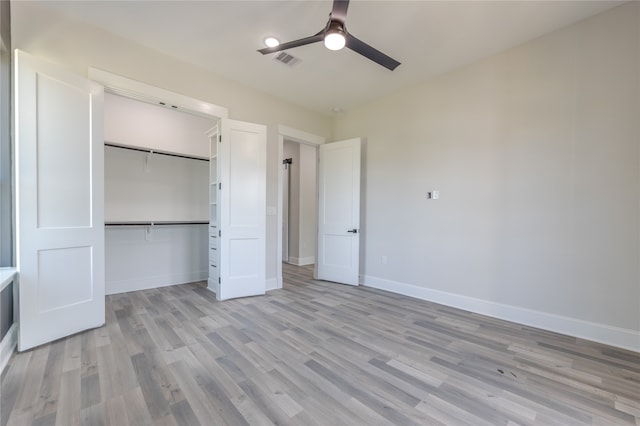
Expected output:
(156, 195)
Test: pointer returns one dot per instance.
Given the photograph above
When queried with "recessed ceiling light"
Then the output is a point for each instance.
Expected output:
(271, 42)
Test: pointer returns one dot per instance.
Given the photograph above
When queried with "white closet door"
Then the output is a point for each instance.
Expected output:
(60, 202)
(242, 195)
(339, 212)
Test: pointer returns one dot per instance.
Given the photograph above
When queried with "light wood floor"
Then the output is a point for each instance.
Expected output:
(315, 353)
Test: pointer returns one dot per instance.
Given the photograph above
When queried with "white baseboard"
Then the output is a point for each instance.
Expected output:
(301, 261)
(272, 284)
(602, 333)
(8, 345)
(125, 286)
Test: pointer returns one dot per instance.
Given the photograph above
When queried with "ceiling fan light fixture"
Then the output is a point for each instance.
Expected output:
(334, 38)
(271, 42)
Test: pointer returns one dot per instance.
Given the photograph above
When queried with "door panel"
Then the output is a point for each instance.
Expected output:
(242, 159)
(339, 212)
(71, 207)
(60, 202)
(58, 288)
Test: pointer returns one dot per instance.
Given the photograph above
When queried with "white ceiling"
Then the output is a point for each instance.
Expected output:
(427, 37)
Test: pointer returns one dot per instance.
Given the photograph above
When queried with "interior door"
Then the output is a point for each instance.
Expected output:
(242, 192)
(339, 212)
(60, 201)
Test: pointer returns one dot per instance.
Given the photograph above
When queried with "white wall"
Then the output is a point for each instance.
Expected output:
(138, 258)
(308, 205)
(77, 47)
(536, 154)
(134, 123)
(156, 187)
(292, 150)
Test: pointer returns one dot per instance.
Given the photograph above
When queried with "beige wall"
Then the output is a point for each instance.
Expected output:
(536, 154)
(77, 47)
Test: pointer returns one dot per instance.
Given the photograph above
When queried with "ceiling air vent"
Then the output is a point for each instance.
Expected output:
(285, 58)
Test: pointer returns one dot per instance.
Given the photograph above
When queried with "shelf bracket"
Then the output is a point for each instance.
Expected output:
(147, 161)
(148, 234)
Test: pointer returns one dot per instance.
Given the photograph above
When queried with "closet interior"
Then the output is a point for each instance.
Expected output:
(157, 189)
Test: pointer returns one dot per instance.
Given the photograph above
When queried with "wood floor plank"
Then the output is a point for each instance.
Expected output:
(13, 378)
(72, 353)
(183, 413)
(27, 399)
(195, 395)
(314, 353)
(93, 415)
(116, 411)
(69, 399)
(90, 390)
(152, 391)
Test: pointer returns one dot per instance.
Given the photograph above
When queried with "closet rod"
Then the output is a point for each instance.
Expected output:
(158, 223)
(190, 157)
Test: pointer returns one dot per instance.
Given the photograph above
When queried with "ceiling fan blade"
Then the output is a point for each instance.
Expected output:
(339, 11)
(369, 52)
(296, 43)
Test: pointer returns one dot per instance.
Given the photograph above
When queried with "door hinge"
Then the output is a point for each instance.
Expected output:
(219, 138)
(219, 233)
(219, 185)
(219, 280)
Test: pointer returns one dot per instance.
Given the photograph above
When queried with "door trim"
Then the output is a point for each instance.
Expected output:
(144, 92)
(305, 138)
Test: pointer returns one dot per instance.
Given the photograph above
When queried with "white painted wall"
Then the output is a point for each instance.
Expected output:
(292, 150)
(139, 124)
(536, 154)
(308, 205)
(156, 187)
(77, 47)
(137, 259)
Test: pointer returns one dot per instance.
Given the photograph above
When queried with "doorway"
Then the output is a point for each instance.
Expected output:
(296, 142)
(299, 208)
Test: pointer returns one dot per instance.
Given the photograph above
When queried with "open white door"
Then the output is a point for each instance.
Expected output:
(242, 192)
(339, 212)
(60, 202)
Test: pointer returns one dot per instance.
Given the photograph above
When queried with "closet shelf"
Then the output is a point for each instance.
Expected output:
(154, 151)
(158, 223)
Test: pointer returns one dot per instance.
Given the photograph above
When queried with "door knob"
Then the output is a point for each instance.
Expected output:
(353, 231)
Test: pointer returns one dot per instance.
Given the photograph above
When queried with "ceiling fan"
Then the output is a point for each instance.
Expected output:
(335, 37)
